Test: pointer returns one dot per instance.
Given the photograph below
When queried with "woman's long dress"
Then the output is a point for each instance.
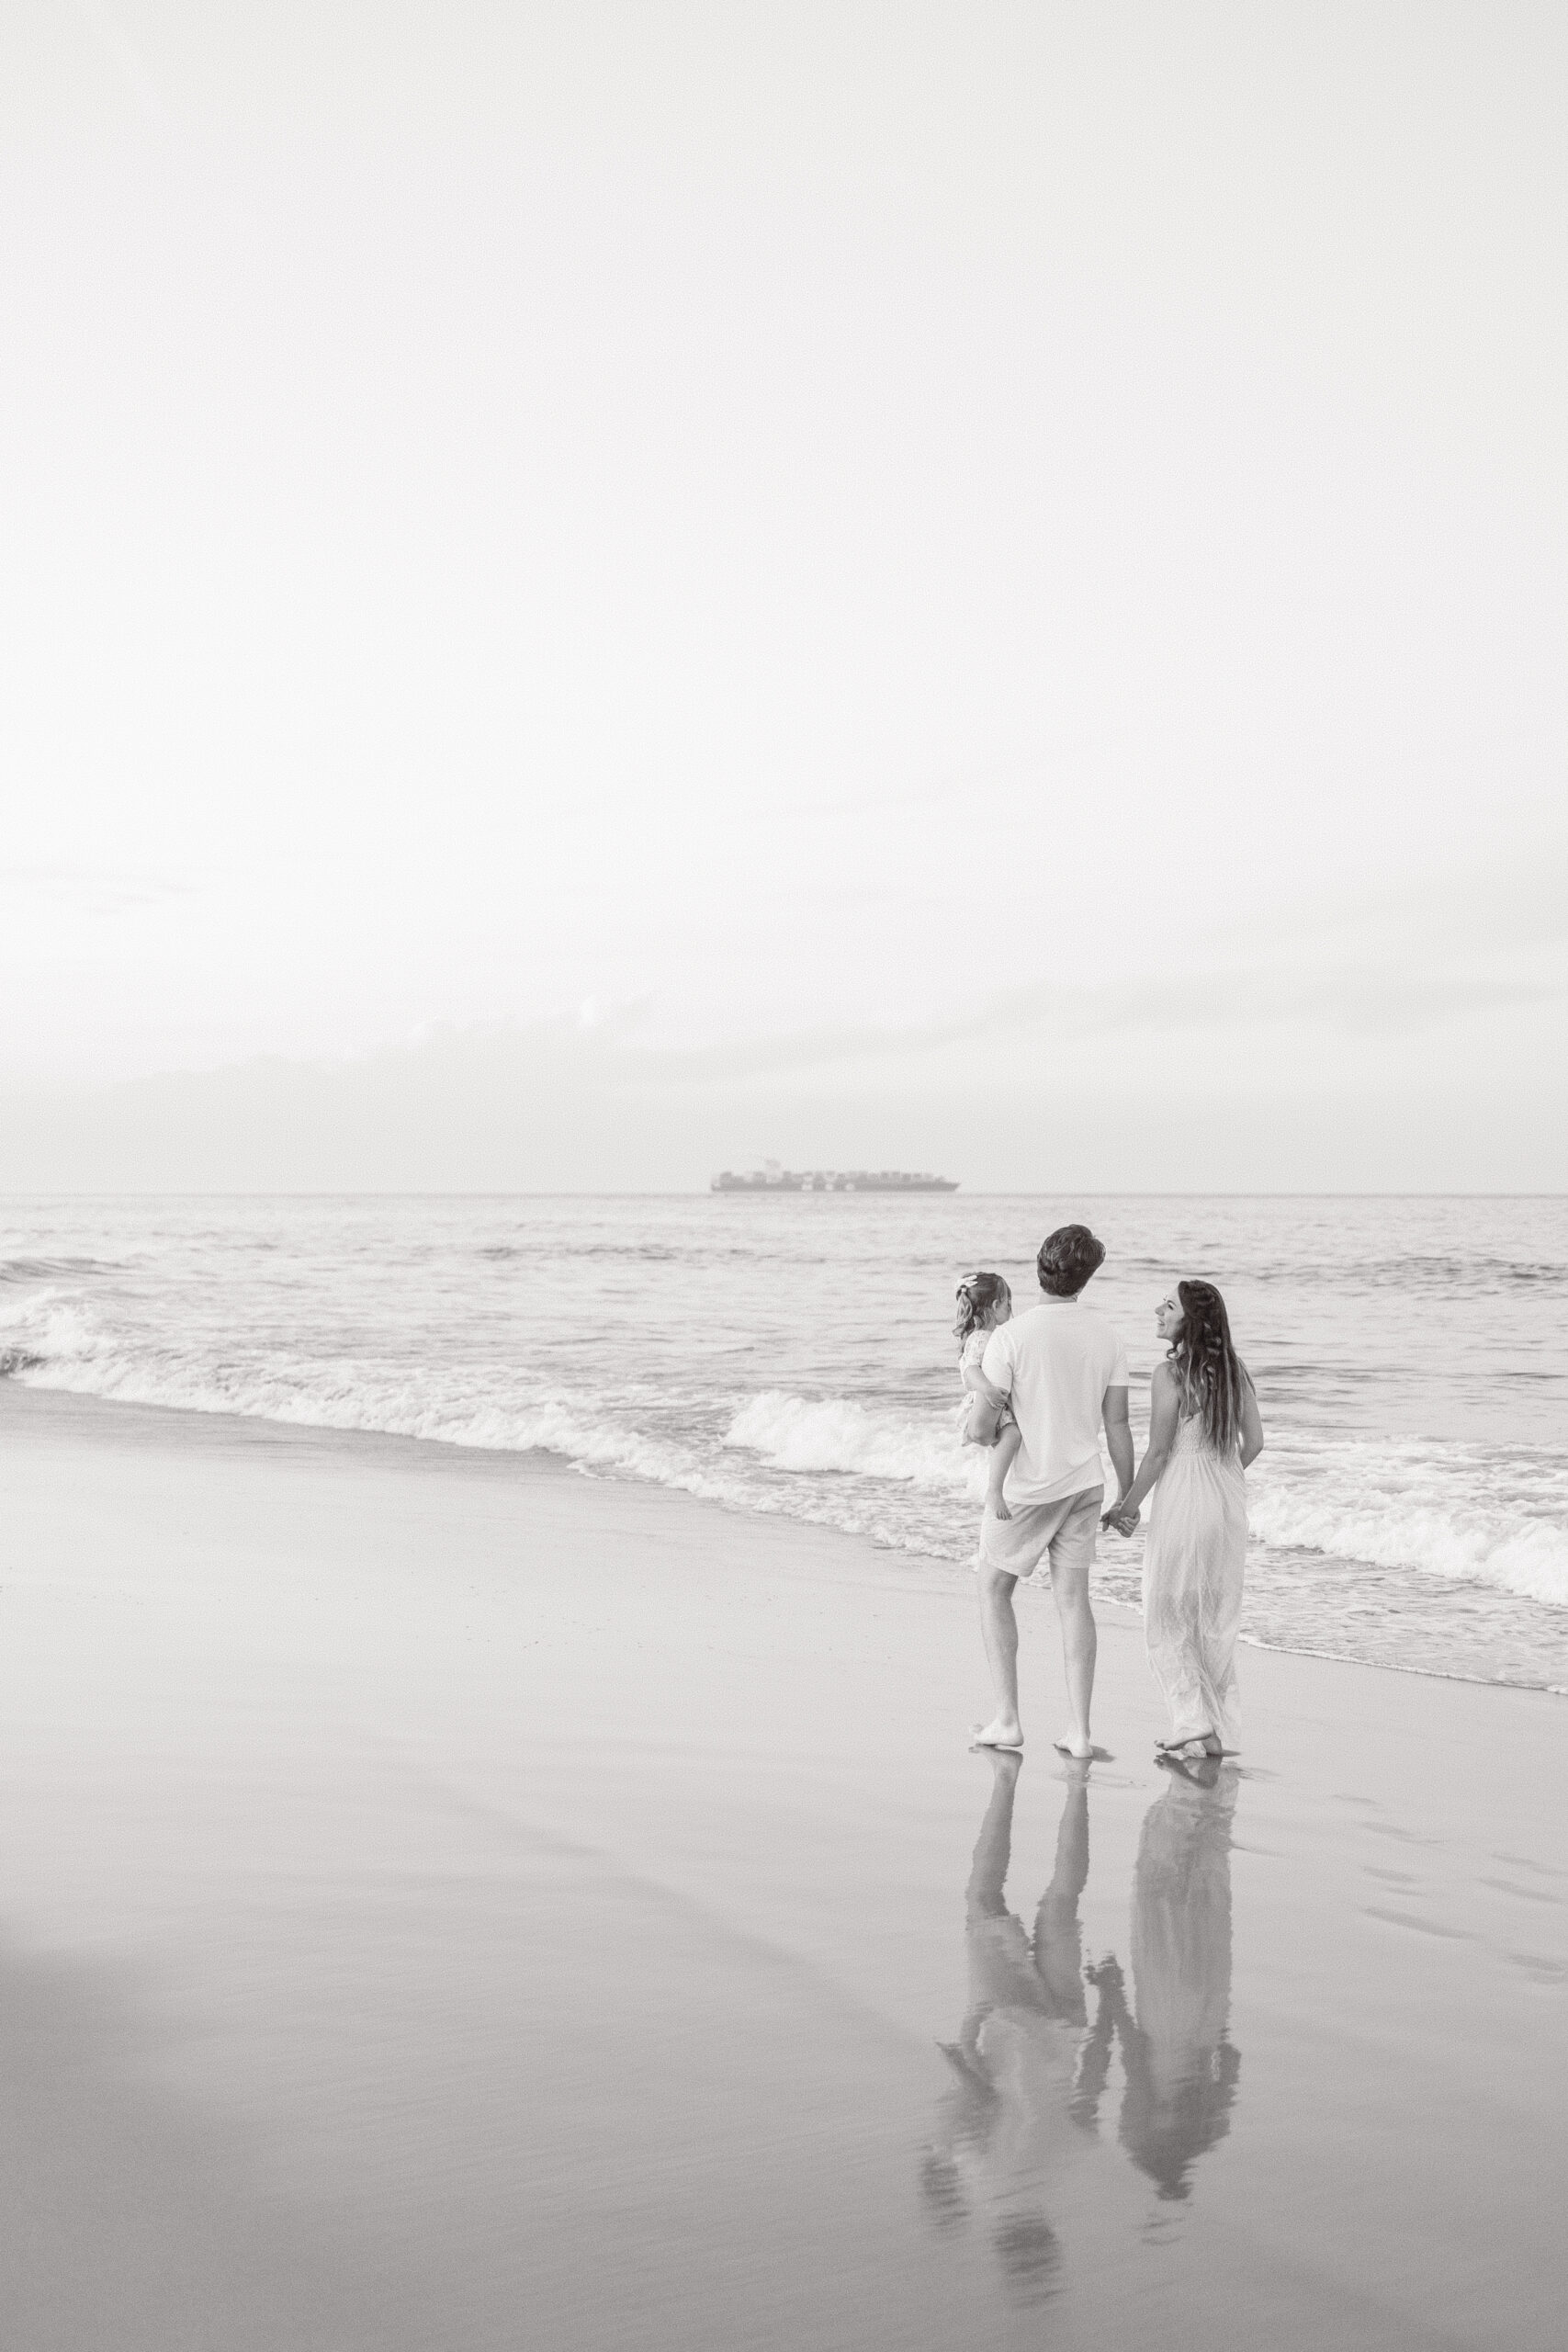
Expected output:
(1193, 1563)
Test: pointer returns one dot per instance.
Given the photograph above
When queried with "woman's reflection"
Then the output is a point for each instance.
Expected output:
(1181, 2070)
(1028, 2066)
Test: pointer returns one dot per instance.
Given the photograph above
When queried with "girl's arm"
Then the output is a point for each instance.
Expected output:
(1164, 1403)
(1251, 1420)
(981, 1429)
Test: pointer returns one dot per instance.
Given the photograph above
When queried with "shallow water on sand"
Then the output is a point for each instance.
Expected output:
(450, 1903)
(793, 1354)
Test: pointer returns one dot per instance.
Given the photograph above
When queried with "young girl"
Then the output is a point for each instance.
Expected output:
(986, 1417)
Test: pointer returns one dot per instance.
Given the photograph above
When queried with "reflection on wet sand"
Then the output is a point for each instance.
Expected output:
(1181, 2068)
(1031, 2063)
(1028, 2067)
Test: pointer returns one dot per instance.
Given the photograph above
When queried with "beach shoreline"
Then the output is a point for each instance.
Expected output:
(1410, 1507)
(446, 1889)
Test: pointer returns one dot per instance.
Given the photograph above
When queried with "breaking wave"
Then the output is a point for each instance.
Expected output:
(618, 1342)
(44, 1270)
(1447, 1513)
(1406, 1507)
(1437, 1511)
(832, 1433)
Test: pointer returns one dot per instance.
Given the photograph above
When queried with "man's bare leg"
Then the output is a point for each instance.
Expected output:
(984, 1897)
(1058, 1934)
(999, 1627)
(1080, 1645)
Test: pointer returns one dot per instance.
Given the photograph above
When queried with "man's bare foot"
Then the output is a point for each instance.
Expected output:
(1076, 1743)
(1002, 1731)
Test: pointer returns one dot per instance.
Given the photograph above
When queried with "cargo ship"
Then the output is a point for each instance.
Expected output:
(771, 1178)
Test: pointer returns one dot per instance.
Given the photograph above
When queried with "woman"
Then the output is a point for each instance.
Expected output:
(1204, 1429)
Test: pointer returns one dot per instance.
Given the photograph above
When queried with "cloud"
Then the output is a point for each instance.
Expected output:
(1499, 904)
(90, 889)
(128, 61)
(555, 1106)
(1370, 1002)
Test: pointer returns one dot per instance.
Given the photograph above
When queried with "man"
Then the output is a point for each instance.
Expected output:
(1065, 1372)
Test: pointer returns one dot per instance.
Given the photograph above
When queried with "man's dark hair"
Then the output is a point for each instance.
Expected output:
(1066, 1259)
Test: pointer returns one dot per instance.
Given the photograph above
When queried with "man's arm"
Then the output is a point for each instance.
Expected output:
(1118, 1438)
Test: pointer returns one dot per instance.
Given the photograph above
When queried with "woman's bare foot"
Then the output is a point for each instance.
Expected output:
(1076, 1743)
(1203, 1771)
(1002, 1731)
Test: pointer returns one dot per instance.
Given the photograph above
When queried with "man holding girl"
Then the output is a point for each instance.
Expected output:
(1059, 1372)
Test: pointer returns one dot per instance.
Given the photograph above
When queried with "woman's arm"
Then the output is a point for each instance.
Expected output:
(1163, 1405)
(1251, 1420)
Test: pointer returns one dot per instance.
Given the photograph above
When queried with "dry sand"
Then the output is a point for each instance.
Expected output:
(449, 1902)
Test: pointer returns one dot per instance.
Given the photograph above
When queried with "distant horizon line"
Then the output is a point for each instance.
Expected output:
(697, 1193)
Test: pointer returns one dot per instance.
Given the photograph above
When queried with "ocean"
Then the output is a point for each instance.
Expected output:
(795, 1354)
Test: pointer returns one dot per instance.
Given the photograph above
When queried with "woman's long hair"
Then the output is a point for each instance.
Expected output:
(977, 1293)
(1211, 1373)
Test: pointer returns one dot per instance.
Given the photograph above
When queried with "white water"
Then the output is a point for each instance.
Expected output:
(794, 1355)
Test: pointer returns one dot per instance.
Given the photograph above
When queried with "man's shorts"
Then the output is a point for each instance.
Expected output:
(1064, 1530)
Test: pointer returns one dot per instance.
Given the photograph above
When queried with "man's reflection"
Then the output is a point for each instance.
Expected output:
(1181, 2068)
(1028, 2066)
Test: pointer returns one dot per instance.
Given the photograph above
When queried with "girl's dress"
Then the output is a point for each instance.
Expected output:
(1194, 1562)
(974, 1348)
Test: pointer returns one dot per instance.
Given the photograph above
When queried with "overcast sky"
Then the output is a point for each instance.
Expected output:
(982, 582)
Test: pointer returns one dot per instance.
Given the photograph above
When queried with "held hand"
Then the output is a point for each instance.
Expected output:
(1123, 1521)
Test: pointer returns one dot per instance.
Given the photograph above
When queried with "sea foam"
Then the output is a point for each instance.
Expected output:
(1449, 1527)
(1433, 1512)
(835, 1433)
(802, 1364)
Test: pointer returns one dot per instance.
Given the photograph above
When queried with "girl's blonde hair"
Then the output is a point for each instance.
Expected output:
(977, 1293)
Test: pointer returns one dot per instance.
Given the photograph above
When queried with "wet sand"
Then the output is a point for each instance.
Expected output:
(449, 1902)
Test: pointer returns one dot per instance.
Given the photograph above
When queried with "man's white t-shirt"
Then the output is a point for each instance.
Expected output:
(1055, 1361)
